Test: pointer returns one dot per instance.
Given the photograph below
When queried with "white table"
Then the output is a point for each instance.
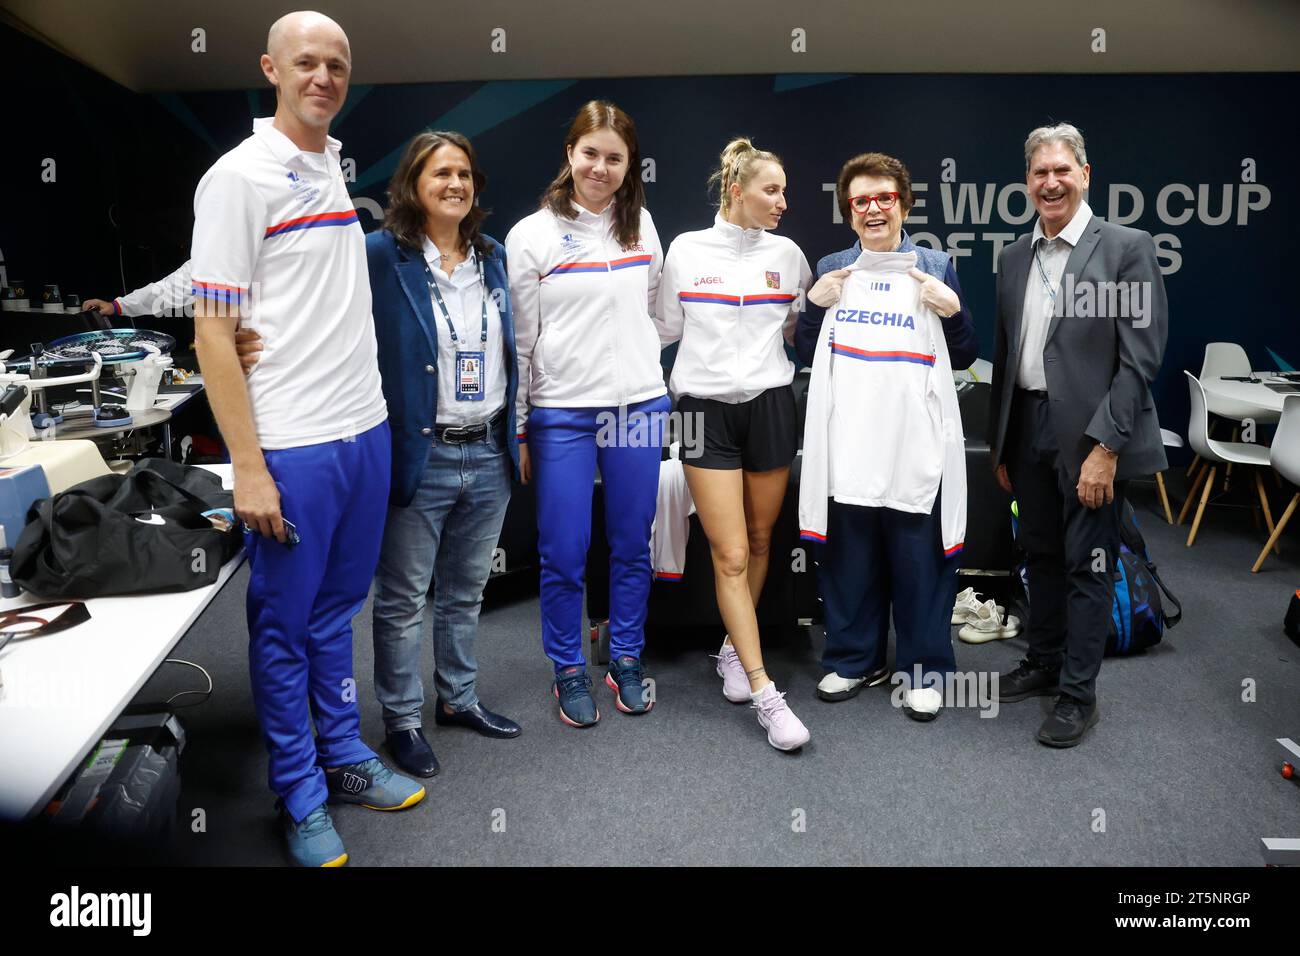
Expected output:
(62, 692)
(1256, 394)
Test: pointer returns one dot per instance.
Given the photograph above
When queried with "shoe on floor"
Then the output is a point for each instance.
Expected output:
(988, 624)
(735, 685)
(835, 688)
(372, 785)
(573, 690)
(923, 703)
(625, 679)
(477, 718)
(1069, 721)
(785, 731)
(411, 752)
(967, 604)
(312, 841)
(1029, 679)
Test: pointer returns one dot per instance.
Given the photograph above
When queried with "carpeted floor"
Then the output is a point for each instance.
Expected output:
(1180, 769)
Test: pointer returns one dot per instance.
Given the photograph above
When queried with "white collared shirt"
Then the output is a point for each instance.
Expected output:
(464, 295)
(1036, 315)
(732, 296)
(276, 233)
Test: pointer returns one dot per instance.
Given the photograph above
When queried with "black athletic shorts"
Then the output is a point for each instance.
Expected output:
(757, 435)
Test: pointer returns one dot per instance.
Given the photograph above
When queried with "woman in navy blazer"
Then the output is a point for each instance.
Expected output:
(447, 359)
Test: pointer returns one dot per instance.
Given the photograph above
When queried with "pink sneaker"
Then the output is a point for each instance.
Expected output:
(735, 685)
(785, 731)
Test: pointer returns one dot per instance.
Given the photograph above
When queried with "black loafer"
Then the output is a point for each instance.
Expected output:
(477, 718)
(412, 752)
(1069, 721)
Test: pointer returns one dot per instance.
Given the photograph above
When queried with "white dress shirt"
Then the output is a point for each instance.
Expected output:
(1046, 257)
(463, 294)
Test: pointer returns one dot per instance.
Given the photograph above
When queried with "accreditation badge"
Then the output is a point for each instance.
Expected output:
(469, 376)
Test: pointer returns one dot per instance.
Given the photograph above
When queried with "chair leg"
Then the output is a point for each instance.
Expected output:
(1191, 494)
(1227, 472)
(1268, 517)
(1200, 511)
(1196, 460)
(1277, 532)
(1164, 496)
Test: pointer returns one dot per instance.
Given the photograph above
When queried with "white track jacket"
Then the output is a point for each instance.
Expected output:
(582, 308)
(883, 426)
(732, 296)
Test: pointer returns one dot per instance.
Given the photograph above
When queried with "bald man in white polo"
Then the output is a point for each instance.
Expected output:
(278, 248)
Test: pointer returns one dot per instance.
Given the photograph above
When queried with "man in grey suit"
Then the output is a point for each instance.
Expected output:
(1081, 327)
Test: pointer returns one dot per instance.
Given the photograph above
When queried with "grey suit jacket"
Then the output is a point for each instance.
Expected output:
(1102, 353)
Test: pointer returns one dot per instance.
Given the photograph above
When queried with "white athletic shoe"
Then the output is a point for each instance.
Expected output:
(735, 685)
(924, 703)
(967, 605)
(785, 731)
(834, 687)
(987, 624)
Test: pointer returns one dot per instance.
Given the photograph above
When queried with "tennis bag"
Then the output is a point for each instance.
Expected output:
(125, 534)
(1138, 615)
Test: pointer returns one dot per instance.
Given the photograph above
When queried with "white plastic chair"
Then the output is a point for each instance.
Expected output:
(1285, 460)
(1229, 358)
(1169, 440)
(1216, 453)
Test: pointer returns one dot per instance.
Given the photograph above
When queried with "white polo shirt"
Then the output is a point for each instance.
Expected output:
(276, 235)
(168, 296)
(463, 295)
(732, 296)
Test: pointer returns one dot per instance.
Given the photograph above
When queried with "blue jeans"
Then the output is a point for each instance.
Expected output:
(301, 601)
(566, 445)
(447, 534)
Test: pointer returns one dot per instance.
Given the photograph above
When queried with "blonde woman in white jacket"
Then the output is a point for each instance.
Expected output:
(584, 270)
(732, 293)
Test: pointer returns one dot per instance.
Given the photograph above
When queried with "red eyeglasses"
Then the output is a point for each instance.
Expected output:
(883, 201)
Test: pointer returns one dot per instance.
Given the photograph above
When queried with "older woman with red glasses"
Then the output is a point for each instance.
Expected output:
(880, 554)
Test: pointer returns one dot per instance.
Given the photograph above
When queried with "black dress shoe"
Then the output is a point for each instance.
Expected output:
(412, 752)
(1028, 680)
(477, 718)
(1068, 722)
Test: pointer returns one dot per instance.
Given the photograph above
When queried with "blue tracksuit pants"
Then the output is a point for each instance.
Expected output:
(301, 601)
(566, 445)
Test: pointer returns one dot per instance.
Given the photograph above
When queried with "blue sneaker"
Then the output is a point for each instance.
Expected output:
(577, 709)
(312, 841)
(372, 785)
(625, 680)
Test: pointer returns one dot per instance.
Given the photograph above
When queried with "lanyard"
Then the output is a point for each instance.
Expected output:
(1048, 286)
(437, 297)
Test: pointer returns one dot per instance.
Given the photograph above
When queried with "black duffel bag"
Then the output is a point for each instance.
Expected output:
(125, 534)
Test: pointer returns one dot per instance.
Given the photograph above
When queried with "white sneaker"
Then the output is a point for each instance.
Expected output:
(924, 703)
(967, 605)
(785, 731)
(735, 685)
(987, 624)
(835, 687)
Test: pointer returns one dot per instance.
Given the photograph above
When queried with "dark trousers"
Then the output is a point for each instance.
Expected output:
(1070, 551)
(876, 560)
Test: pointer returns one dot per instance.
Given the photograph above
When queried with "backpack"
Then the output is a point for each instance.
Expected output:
(1138, 614)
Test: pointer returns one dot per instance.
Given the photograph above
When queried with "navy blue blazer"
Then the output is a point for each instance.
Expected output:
(958, 329)
(408, 346)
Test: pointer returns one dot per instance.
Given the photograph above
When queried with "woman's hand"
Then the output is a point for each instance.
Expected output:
(525, 464)
(935, 295)
(248, 346)
(826, 290)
